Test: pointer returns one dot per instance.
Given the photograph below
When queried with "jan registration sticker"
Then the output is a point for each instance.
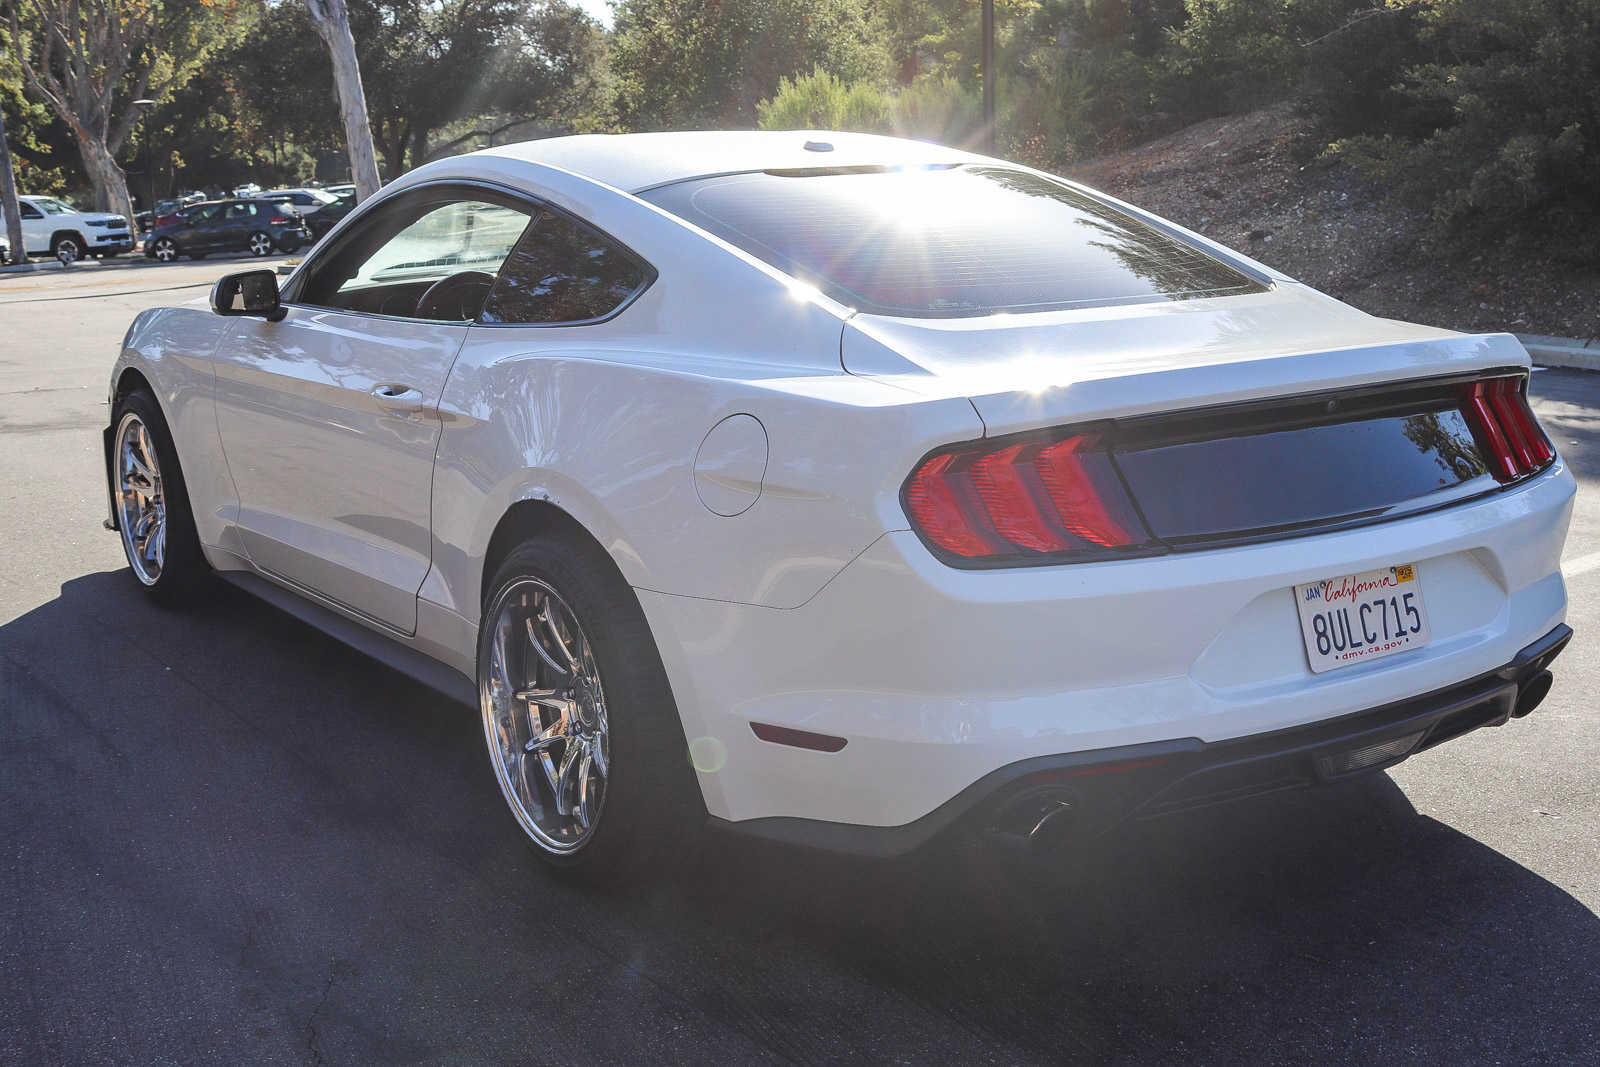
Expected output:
(1361, 617)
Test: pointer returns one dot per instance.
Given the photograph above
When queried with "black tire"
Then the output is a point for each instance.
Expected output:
(652, 803)
(164, 244)
(184, 572)
(259, 244)
(72, 242)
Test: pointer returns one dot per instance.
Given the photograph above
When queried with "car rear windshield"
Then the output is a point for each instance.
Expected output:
(948, 241)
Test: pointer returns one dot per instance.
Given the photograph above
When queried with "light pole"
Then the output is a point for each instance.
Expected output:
(149, 157)
(986, 72)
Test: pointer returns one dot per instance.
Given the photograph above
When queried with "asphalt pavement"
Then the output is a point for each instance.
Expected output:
(226, 839)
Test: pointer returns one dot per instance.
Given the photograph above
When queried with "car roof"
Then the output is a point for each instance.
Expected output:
(638, 161)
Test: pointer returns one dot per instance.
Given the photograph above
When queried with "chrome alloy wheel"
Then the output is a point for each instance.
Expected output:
(141, 507)
(166, 249)
(260, 244)
(544, 716)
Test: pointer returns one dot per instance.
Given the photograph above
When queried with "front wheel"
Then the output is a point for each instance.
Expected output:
(260, 243)
(67, 247)
(152, 502)
(165, 249)
(582, 731)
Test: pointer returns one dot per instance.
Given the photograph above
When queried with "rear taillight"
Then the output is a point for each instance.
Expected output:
(1024, 500)
(279, 220)
(1508, 435)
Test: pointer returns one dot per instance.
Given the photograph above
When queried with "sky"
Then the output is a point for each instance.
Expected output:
(599, 9)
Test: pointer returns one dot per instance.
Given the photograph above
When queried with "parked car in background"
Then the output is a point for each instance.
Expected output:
(328, 217)
(53, 227)
(340, 190)
(308, 202)
(245, 225)
(849, 490)
(165, 209)
(248, 189)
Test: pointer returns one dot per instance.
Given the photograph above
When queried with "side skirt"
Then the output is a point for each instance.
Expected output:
(430, 672)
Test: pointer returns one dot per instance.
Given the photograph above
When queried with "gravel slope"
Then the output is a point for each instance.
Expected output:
(1243, 180)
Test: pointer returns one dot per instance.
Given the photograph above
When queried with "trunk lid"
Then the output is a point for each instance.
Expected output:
(1027, 372)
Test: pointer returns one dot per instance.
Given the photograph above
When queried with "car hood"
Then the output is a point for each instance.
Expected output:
(1027, 371)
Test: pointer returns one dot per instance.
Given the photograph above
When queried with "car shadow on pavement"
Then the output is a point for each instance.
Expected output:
(234, 839)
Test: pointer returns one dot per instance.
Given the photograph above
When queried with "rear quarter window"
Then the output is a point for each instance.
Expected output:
(949, 241)
(563, 272)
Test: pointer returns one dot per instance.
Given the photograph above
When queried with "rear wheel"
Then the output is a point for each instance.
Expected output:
(582, 731)
(152, 502)
(260, 243)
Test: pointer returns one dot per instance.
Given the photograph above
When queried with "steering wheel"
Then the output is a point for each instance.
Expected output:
(457, 298)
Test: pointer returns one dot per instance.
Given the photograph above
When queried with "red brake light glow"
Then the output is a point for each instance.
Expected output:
(1013, 501)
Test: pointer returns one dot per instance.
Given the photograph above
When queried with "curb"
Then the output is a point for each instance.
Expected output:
(1570, 352)
(20, 268)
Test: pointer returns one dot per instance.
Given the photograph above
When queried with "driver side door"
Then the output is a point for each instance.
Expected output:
(329, 418)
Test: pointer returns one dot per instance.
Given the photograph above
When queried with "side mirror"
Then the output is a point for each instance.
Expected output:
(249, 292)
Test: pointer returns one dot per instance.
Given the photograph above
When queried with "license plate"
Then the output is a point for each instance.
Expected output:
(1362, 617)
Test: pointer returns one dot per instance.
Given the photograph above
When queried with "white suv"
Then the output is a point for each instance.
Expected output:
(52, 227)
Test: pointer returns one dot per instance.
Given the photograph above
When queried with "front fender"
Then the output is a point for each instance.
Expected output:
(171, 348)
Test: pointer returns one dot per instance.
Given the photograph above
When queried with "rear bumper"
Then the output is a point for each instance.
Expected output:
(936, 678)
(1083, 794)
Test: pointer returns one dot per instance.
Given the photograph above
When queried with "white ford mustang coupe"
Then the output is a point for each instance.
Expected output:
(844, 490)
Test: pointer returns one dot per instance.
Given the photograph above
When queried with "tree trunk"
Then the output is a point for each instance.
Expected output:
(8, 200)
(419, 145)
(109, 182)
(332, 22)
(392, 140)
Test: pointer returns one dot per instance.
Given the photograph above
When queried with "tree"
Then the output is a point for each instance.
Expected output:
(331, 20)
(683, 64)
(8, 200)
(87, 59)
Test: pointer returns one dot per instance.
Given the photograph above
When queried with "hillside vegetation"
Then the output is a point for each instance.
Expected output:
(1245, 181)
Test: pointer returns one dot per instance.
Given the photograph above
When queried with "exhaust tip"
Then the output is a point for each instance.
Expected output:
(1532, 693)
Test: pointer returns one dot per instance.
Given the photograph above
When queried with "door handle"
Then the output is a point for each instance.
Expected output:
(400, 399)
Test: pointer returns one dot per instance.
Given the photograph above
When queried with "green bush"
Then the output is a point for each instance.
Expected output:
(938, 109)
(932, 108)
(820, 101)
(1502, 117)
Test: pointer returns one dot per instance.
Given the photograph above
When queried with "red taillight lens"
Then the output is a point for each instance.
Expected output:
(1024, 500)
(279, 220)
(1509, 437)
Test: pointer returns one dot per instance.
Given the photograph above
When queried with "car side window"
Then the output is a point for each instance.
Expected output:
(202, 214)
(563, 272)
(432, 255)
(240, 211)
(29, 211)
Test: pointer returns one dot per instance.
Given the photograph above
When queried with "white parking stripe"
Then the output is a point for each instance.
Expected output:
(1581, 564)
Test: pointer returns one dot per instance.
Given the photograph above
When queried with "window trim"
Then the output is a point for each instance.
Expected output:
(291, 295)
